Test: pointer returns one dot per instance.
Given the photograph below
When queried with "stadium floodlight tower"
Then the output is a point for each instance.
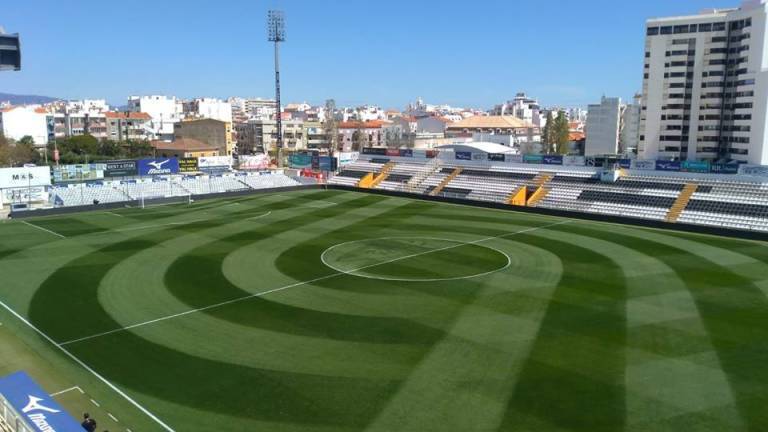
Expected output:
(276, 34)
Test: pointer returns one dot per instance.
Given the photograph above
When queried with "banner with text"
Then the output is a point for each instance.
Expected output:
(37, 409)
(121, 168)
(25, 177)
(188, 165)
(155, 166)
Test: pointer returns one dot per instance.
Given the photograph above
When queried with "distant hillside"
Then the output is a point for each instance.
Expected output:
(25, 99)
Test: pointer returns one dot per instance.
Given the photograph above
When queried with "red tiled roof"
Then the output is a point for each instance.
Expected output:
(373, 124)
(127, 115)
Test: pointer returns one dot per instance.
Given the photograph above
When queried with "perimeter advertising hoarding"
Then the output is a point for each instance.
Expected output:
(464, 155)
(668, 165)
(496, 157)
(254, 162)
(188, 165)
(346, 158)
(378, 151)
(625, 163)
(643, 165)
(328, 163)
(573, 160)
(393, 152)
(695, 166)
(479, 156)
(215, 161)
(724, 168)
(536, 159)
(65, 173)
(406, 153)
(552, 160)
(158, 166)
(38, 410)
(300, 160)
(516, 158)
(25, 177)
(120, 168)
(753, 170)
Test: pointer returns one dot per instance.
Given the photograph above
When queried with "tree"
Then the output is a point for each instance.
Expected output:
(331, 127)
(561, 132)
(547, 134)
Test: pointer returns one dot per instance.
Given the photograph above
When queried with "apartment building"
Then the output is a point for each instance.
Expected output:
(163, 111)
(705, 86)
(260, 136)
(215, 133)
(603, 127)
(18, 122)
(128, 126)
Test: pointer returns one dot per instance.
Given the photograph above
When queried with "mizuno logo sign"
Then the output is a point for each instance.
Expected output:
(34, 405)
(158, 165)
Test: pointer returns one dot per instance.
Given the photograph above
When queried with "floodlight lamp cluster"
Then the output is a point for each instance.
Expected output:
(276, 26)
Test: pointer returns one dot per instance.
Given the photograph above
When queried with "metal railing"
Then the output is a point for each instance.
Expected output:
(10, 421)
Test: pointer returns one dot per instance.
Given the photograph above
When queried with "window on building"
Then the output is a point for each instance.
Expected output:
(707, 27)
(652, 31)
(667, 30)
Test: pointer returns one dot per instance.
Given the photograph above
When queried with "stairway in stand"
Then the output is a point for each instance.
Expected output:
(445, 182)
(681, 203)
(414, 184)
(383, 174)
(541, 180)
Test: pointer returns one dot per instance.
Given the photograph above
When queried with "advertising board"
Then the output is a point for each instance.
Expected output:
(662, 165)
(464, 155)
(25, 177)
(120, 168)
(39, 411)
(158, 166)
(188, 165)
(254, 162)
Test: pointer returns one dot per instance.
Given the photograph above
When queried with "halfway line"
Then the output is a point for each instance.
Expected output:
(41, 228)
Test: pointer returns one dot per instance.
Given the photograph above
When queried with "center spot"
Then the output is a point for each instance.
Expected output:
(414, 259)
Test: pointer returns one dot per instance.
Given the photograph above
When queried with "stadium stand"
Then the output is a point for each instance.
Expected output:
(166, 187)
(705, 200)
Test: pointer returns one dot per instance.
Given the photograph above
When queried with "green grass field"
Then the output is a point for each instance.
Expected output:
(340, 311)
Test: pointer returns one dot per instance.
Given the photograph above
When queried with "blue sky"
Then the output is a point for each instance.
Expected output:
(464, 53)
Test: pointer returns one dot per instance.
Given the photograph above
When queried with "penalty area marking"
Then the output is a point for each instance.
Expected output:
(68, 390)
(274, 290)
(368, 276)
(88, 368)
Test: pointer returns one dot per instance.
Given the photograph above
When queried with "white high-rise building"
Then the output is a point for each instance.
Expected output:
(603, 127)
(521, 107)
(164, 111)
(630, 131)
(705, 86)
(211, 108)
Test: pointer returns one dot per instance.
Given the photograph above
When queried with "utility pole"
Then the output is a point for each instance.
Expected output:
(276, 34)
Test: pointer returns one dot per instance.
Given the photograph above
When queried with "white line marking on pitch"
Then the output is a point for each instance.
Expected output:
(68, 390)
(260, 216)
(95, 403)
(114, 214)
(41, 228)
(293, 285)
(87, 368)
(113, 418)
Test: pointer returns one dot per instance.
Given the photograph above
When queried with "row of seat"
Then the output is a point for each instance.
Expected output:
(163, 187)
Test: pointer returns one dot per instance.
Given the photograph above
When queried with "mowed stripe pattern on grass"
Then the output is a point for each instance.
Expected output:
(589, 327)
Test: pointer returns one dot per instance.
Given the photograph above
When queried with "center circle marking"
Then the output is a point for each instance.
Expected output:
(459, 243)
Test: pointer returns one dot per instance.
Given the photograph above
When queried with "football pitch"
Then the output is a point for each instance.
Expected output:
(328, 311)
